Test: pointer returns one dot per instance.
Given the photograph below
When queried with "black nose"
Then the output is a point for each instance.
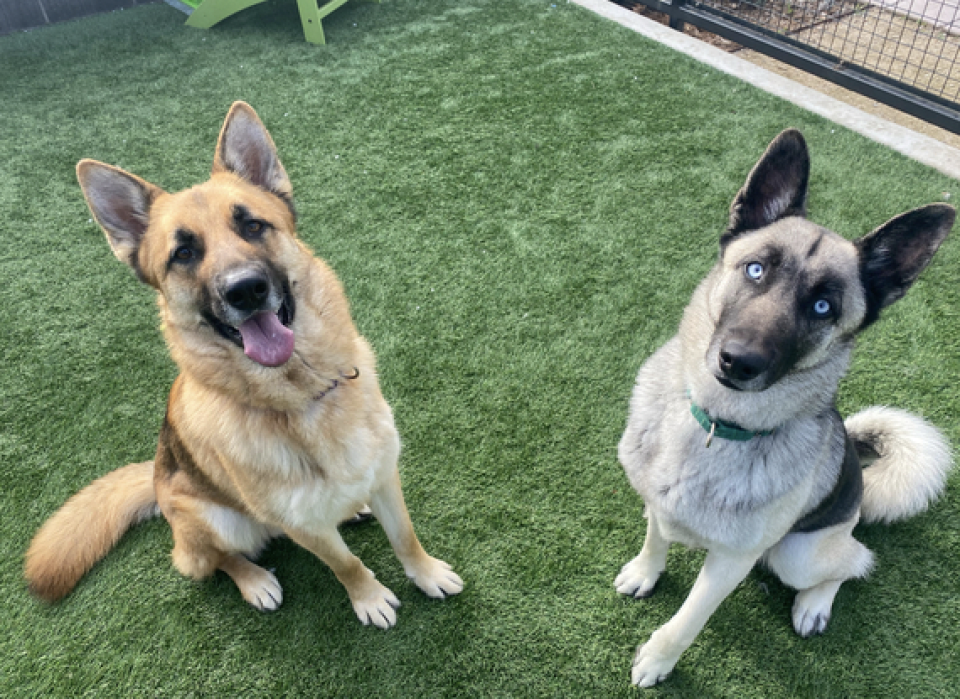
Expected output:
(741, 363)
(247, 292)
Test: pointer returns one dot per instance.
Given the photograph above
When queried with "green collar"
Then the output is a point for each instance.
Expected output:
(724, 430)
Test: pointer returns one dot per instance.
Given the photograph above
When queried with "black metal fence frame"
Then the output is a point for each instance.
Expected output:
(905, 98)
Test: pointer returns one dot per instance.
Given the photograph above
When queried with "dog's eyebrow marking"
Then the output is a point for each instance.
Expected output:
(240, 213)
(770, 254)
(242, 218)
(813, 248)
(829, 285)
(184, 238)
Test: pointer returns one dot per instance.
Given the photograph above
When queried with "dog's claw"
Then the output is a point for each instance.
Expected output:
(265, 593)
(637, 579)
(364, 514)
(808, 624)
(377, 607)
(811, 611)
(436, 578)
(649, 667)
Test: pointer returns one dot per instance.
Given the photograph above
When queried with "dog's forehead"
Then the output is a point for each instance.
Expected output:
(208, 209)
(796, 239)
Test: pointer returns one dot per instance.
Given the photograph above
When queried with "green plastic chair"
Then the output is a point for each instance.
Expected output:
(205, 13)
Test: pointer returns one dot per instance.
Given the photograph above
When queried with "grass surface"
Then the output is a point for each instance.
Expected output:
(520, 198)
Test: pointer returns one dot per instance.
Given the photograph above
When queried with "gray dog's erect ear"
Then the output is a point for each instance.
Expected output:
(120, 203)
(246, 149)
(894, 255)
(776, 187)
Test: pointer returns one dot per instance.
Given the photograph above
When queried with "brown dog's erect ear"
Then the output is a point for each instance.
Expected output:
(776, 187)
(894, 255)
(246, 149)
(120, 203)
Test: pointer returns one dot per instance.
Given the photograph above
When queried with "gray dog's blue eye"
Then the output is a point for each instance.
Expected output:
(821, 307)
(755, 270)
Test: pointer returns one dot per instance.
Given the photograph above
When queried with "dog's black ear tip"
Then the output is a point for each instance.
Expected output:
(949, 216)
(790, 139)
(945, 211)
(938, 219)
(792, 134)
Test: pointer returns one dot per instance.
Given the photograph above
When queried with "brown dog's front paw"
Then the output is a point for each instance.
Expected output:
(376, 605)
(436, 578)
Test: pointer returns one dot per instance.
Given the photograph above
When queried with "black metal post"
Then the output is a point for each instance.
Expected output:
(675, 16)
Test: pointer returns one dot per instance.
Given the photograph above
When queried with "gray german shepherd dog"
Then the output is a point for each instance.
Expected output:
(733, 438)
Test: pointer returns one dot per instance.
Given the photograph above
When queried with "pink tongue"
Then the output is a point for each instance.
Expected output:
(266, 340)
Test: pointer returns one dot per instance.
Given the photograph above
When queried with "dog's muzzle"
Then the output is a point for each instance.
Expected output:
(740, 364)
(256, 311)
(749, 364)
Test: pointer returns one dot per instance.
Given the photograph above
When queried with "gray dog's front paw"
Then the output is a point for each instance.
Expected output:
(637, 578)
(650, 666)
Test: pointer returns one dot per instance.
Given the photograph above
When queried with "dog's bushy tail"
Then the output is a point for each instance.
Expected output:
(910, 462)
(88, 525)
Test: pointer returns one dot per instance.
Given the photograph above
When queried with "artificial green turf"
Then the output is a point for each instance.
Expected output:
(519, 198)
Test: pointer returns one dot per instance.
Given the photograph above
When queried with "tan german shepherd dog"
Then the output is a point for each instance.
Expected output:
(275, 424)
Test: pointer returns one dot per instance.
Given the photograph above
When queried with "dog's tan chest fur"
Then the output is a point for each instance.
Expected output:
(281, 465)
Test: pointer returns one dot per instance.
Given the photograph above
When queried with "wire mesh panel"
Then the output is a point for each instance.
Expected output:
(914, 42)
(912, 45)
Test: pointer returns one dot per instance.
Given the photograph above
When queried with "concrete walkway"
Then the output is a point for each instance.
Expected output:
(944, 14)
(924, 149)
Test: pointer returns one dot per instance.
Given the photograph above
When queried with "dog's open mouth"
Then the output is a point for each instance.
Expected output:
(728, 383)
(265, 337)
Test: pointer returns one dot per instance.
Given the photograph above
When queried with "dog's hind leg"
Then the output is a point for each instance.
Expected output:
(208, 537)
(816, 564)
(435, 577)
(639, 577)
(259, 587)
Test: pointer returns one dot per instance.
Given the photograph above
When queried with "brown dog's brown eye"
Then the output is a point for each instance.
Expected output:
(253, 228)
(184, 253)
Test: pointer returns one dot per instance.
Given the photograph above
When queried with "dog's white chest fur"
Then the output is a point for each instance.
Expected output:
(312, 498)
(733, 494)
(302, 476)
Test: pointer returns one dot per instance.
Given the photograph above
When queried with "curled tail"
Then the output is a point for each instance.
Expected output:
(910, 462)
(90, 523)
